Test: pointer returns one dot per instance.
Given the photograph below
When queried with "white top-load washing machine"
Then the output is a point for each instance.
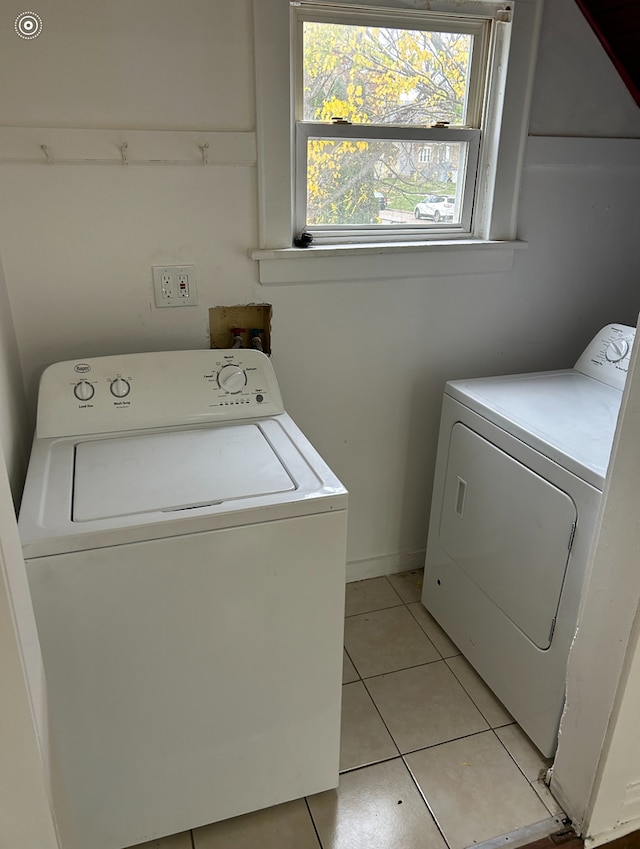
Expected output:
(519, 475)
(185, 550)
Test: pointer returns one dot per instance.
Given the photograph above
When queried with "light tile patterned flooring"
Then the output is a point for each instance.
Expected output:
(430, 759)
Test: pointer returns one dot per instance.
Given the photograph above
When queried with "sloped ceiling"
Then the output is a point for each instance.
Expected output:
(617, 25)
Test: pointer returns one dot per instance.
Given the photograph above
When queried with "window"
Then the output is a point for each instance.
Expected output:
(365, 111)
(370, 88)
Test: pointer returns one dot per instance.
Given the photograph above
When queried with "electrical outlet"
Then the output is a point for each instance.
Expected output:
(166, 287)
(184, 286)
(174, 285)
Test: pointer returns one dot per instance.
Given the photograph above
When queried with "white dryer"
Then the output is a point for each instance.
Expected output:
(519, 475)
(185, 550)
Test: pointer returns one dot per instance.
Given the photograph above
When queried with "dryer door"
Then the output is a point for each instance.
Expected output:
(509, 529)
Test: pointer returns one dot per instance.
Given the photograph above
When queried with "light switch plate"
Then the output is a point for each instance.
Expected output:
(174, 285)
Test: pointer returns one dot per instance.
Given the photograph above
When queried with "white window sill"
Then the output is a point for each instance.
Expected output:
(322, 263)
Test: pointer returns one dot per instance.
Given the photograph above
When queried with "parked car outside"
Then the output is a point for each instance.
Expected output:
(436, 207)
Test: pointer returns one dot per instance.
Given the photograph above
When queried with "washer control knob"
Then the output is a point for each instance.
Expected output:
(84, 391)
(617, 350)
(120, 387)
(231, 378)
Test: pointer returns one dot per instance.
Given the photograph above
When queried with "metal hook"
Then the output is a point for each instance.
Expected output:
(123, 152)
(204, 149)
(47, 153)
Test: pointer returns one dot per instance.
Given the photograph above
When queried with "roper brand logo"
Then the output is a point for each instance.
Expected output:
(82, 368)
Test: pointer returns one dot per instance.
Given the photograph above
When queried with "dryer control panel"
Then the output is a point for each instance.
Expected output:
(606, 358)
(161, 389)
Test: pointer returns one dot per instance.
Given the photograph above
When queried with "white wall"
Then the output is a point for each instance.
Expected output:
(25, 812)
(362, 365)
(152, 64)
(26, 818)
(578, 91)
(14, 428)
(615, 803)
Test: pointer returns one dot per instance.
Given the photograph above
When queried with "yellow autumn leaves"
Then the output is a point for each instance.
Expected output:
(373, 75)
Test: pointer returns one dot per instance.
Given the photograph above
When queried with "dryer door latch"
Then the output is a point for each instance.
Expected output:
(571, 536)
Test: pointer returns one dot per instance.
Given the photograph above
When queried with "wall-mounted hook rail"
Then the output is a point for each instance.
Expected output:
(121, 146)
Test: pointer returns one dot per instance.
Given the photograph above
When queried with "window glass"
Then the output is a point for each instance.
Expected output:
(383, 75)
(398, 182)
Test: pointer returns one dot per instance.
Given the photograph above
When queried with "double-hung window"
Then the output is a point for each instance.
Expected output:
(388, 116)
(391, 122)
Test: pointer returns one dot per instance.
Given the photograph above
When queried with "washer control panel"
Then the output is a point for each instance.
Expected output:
(135, 391)
(607, 356)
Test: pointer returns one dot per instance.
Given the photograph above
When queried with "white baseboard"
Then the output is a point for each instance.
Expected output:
(385, 564)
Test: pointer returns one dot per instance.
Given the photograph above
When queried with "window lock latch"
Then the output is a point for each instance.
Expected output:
(440, 125)
(336, 120)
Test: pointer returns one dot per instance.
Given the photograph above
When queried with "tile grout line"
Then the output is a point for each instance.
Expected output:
(446, 742)
(531, 783)
(354, 666)
(382, 719)
(386, 577)
(459, 653)
(375, 609)
(313, 822)
(406, 668)
(477, 706)
(351, 769)
(421, 749)
(426, 801)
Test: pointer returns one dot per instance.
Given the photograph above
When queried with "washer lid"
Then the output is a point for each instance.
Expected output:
(568, 416)
(173, 470)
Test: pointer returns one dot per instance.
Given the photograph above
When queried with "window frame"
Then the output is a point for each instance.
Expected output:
(502, 151)
(352, 14)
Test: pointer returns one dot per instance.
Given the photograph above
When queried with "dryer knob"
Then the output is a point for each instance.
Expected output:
(120, 387)
(84, 391)
(231, 378)
(617, 350)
